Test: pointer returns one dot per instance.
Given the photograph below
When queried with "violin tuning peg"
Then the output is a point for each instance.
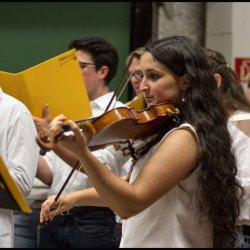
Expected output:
(126, 152)
(177, 111)
(170, 112)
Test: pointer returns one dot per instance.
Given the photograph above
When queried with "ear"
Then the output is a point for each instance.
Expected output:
(103, 71)
(217, 78)
(184, 83)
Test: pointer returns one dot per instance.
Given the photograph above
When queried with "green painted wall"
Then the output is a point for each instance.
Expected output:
(32, 32)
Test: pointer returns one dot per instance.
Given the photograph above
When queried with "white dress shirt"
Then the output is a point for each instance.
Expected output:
(113, 159)
(19, 151)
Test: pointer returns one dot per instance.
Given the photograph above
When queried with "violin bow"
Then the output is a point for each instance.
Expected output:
(120, 83)
(125, 85)
(60, 192)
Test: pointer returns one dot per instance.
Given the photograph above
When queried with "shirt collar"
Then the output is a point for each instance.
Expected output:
(103, 100)
(1, 93)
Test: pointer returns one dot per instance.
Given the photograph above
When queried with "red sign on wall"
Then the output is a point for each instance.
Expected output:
(242, 68)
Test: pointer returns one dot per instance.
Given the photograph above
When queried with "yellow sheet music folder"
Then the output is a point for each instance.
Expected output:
(137, 103)
(10, 194)
(57, 82)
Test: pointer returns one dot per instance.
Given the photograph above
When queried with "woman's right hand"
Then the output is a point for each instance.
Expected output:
(76, 142)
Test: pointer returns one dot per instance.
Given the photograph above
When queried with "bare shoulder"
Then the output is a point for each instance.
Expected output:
(181, 137)
(180, 150)
(182, 134)
(171, 162)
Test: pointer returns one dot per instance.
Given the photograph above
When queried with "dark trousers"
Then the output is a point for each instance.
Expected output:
(25, 228)
(243, 237)
(82, 227)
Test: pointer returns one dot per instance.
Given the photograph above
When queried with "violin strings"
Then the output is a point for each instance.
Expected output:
(120, 83)
(125, 85)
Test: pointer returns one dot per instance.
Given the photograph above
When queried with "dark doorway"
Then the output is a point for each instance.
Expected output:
(140, 28)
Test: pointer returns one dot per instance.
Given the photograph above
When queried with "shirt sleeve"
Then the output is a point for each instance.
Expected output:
(22, 151)
(112, 159)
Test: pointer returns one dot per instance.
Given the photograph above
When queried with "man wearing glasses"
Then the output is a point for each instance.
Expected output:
(86, 226)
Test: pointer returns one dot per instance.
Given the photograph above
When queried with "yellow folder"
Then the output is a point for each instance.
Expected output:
(57, 82)
(10, 194)
(137, 103)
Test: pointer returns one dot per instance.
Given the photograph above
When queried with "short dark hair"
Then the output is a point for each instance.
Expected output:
(101, 51)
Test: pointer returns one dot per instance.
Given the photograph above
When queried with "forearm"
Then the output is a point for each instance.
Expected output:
(66, 156)
(85, 197)
(117, 193)
(88, 197)
(43, 171)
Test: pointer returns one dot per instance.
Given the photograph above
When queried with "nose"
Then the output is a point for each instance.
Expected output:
(143, 85)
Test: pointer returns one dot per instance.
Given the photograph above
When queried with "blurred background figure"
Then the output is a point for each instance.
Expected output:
(238, 111)
(134, 76)
(248, 92)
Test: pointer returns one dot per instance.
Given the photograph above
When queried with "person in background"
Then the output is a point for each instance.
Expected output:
(89, 226)
(183, 191)
(20, 153)
(238, 111)
(135, 79)
(248, 92)
(138, 102)
(133, 59)
(25, 224)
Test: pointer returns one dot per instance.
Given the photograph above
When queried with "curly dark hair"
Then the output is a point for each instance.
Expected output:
(101, 51)
(218, 187)
(231, 90)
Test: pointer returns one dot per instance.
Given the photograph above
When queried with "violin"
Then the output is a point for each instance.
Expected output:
(116, 126)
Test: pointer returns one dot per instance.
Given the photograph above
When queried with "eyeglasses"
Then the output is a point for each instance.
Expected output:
(85, 64)
(137, 74)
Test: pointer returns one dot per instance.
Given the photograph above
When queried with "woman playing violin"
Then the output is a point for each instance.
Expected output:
(183, 191)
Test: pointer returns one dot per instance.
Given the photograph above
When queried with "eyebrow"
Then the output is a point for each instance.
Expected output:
(153, 70)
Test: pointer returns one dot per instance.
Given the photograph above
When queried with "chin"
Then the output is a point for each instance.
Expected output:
(149, 104)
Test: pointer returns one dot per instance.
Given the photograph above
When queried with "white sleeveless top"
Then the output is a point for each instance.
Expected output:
(172, 220)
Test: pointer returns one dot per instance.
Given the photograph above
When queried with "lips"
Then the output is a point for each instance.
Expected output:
(149, 99)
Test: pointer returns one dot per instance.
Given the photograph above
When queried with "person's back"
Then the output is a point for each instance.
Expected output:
(20, 153)
(238, 109)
